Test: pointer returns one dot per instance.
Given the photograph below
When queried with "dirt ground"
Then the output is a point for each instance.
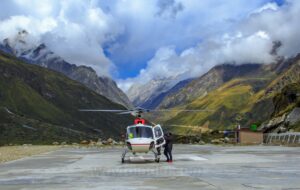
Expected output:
(9, 153)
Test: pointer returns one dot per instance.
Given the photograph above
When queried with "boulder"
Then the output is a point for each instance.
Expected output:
(201, 142)
(63, 143)
(84, 142)
(216, 141)
(294, 116)
(273, 123)
(105, 142)
(92, 143)
(110, 140)
(115, 143)
(55, 143)
(280, 124)
(280, 129)
(226, 140)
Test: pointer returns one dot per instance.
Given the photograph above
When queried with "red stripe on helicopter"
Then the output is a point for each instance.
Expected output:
(139, 121)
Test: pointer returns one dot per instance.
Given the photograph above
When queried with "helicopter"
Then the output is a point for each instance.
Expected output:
(141, 137)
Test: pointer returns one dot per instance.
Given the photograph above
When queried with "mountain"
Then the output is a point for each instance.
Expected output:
(41, 55)
(255, 94)
(155, 101)
(140, 94)
(167, 93)
(40, 106)
(224, 105)
(211, 80)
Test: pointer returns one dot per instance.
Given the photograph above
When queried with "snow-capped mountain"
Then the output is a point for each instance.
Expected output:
(142, 93)
(22, 47)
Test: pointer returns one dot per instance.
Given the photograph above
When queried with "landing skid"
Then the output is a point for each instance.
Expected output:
(156, 155)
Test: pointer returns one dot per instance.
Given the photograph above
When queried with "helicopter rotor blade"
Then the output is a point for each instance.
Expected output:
(182, 110)
(126, 112)
(99, 110)
(139, 110)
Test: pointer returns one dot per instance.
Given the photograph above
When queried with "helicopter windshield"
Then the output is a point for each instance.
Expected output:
(140, 132)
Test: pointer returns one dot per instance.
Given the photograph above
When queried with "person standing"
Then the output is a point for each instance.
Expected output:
(168, 146)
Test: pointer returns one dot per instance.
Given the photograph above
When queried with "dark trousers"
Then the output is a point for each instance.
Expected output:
(158, 151)
(168, 153)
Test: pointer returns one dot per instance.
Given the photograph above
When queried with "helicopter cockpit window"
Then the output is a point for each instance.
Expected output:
(157, 132)
(140, 132)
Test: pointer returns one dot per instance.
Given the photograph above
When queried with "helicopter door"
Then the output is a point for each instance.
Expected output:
(158, 136)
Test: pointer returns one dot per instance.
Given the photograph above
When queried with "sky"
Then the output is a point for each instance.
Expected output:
(136, 41)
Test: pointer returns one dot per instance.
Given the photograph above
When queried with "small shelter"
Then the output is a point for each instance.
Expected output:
(249, 135)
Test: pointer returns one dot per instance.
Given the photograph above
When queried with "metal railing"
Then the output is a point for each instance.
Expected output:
(282, 138)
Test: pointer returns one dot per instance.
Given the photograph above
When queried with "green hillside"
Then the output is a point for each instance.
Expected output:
(226, 105)
(244, 101)
(41, 106)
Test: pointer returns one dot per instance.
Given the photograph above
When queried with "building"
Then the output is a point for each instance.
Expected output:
(248, 136)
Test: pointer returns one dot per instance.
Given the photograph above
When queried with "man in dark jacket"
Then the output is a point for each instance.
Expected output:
(168, 146)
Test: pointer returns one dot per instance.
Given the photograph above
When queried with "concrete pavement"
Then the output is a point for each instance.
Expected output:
(194, 167)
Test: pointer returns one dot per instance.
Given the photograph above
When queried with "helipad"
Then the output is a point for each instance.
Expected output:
(194, 167)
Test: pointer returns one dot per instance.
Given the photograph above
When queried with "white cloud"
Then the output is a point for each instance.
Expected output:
(281, 24)
(246, 49)
(195, 61)
(187, 39)
(10, 27)
(146, 32)
(76, 30)
(267, 7)
(249, 41)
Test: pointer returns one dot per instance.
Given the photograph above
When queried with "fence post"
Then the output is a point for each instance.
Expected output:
(284, 138)
(269, 138)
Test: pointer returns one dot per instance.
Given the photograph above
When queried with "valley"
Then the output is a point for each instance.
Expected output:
(149, 94)
(232, 95)
(40, 106)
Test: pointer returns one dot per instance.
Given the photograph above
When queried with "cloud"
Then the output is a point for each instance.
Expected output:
(169, 8)
(165, 64)
(272, 6)
(250, 40)
(75, 30)
(281, 24)
(10, 27)
(254, 48)
(145, 32)
(156, 39)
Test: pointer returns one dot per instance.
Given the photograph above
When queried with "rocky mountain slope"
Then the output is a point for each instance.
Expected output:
(213, 79)
(254, 96)
(41, 55)
(142, 94)
(165, 93)
(154, 101)
(38, 105)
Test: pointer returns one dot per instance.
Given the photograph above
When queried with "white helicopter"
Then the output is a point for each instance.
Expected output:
(140, 137)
